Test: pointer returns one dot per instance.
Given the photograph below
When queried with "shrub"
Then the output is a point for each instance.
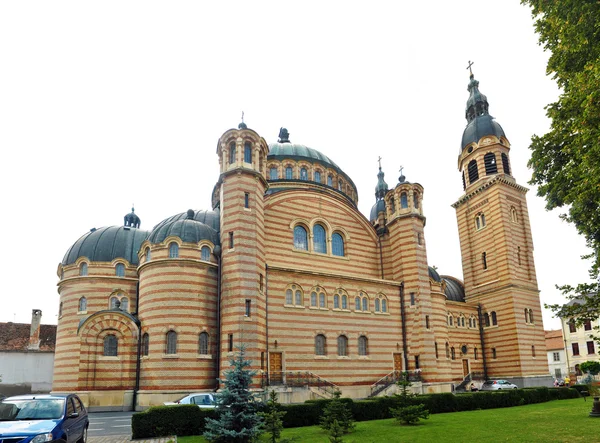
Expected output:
(162, 421)
(410, 415)
(299, 415)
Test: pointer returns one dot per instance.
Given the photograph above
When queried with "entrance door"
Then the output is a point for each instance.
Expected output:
(465, 367)
(397, 362)
(275, 368)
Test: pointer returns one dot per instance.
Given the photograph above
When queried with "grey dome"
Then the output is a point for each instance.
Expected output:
(106, 244)
(455, 290)
(376, 209)
(209, 218)
(187, 229)
(433, 274)
(480, 127)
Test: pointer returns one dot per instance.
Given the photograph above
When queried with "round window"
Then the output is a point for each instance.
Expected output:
(464, 349)
(470, 149)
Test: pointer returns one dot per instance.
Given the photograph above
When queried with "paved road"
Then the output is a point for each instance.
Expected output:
(110, 423)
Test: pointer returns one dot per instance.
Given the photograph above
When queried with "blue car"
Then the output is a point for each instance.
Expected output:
(43, 418)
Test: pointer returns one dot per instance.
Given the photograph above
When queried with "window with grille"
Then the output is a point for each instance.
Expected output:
(111, 345)
(319, 241)
(383, 305)
(344, 302)
(377, 305)
(318, 176)
(303, 174)
(362, 345)
(83, 304)
(313, 299)
(289, 173)
(342, 346)
(203, 344)
(274, 175)
(337, 245)
(365, 304)
(357, 303)
(145, 344)
(322, 303)
(556, 356)
(124, 304)
(505, 165)
(336, 301)
(300, 238)
(320, 344)
(171, 343)
(113, 302)
(473, 173)
(489, 160)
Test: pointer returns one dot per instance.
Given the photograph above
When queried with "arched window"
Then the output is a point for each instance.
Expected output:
(318, 176)
(124, 304)
(300, 238)
(145, 344)
(336, 301)
(83, 269)
(344, 301)
(531, 316)
(416, 200)
(480, 221)
(475, 353)
(486, 319)
(342, 346)
(203, 343)
(505, 165)
(340, 185)
(322, 303)
(453, 353)
(337, 245)
(148, 254)
(494, 318)
(513, 215)
(393, 204)
(289, 173)
(120, 270)
(532, 350)
(365, 304)
(113, 302)
(298, 298)
(357, 303)
(82, 304)
(403, 200)
(171, 343)
(303, 174)
(362, 345)
(526, 315)
(289, 297)
(329, 180)
(473, 173)
(519, 255)
(377, 305)
(232, 153)
(273, 174)
(205, 253)
(60, 307)
(320, 345)
(319, 239)
(173, 250)
(450, 320)
(111, 346)
(447, 350)
(489, 160)
(484, 260)
(247, 153)
(313, 299)
(383, 305)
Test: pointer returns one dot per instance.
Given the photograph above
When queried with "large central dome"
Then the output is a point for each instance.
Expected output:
(297, 152)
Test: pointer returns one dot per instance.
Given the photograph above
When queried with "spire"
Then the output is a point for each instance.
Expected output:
(402, 178)
(242, 125)
(132, 219)
(382, 187)
(477, 103)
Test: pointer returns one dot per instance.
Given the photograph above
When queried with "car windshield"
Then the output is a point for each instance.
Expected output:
(31, 409)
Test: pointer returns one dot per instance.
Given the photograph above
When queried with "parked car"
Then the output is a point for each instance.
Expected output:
(43, 418)
(202, 399)
(497, 385)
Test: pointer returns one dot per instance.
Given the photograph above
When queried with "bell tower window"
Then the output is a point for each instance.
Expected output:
(247, 153)
(232, 153)
(505, 165)
(490, 163)
(473, 173)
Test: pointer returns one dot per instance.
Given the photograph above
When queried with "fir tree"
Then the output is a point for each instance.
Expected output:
(273, 423)
(337, 411)
(336, 432)
(238, 419)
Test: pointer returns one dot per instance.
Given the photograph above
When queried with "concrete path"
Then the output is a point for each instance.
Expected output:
(127, 439)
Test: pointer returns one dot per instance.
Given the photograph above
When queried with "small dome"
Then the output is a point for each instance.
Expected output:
(376, 209)
(209, 218)
(132, 219)
(188, 230)
(478, 128)
(455, 290)
(106, 244)
(433, 274)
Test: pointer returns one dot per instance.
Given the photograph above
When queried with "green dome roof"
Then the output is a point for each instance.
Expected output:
(192, 227)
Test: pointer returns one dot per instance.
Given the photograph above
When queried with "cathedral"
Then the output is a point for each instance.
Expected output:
(321, 297)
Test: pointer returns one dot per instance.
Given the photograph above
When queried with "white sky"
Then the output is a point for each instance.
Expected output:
(105, 104)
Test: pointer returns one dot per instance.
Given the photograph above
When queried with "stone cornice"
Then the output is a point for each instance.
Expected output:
(335, 275)
(500, 179)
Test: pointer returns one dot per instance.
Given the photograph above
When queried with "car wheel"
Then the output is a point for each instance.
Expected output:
(83, 438)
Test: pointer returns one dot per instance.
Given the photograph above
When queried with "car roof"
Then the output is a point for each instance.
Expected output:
(39, 397)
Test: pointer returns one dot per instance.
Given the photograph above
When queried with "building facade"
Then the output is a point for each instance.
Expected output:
(319, 295)
(579, 343)
(557, 357)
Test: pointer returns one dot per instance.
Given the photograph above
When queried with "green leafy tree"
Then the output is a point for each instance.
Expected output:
(566, 160)
(591, 367)
(273, 417)
(237, 408)
(337, 411)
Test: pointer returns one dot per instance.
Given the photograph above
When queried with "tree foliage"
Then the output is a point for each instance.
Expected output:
(338, 412)
(566, 160)
(590, 366)
(237, 407)
(273, 417)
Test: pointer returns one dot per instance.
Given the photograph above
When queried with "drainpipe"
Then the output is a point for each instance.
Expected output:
(217, 253)
(482, 341)
(267, 320)
(139, 349)
(403, 317)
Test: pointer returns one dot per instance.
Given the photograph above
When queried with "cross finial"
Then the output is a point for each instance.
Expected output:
(469, 67)
(242, 116)
(401, 168)
(379, 160)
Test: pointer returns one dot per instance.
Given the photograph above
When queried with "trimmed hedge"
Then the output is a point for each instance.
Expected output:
(160, 421)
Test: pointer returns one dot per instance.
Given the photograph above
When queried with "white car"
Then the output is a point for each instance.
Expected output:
(201, 399)
(497, 385)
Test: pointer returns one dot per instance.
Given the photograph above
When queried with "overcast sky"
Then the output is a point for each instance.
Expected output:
(105, 104)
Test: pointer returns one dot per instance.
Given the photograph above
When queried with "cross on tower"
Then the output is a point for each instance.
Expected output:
(401, 168)
(469, 67)
(242, 116)
(379, 160)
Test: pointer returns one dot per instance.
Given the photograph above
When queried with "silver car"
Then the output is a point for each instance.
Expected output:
(201, 399)
(497, 385)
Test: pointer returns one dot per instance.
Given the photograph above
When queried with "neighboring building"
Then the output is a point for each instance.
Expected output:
(319, 294)
(579, 342)
(26, 356)
(557, 359)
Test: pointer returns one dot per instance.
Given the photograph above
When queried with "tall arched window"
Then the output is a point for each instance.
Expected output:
(342, 346)
(365, 304)
(111, 346)
(484, 260)
(403, 200)
(357, 303)
(60, 309)
(205, 253)
(173, 250)
(505, 165)
(494, 318)
(337, 245)
(319, 239)
(298, 298)
(329, 180)
(120, 270)
(247, 153)
(447, 350)
(300, 238)
(344, 301)
(273, 175)
(148, 254)
(289, 297)
(416, 200)
(489, 160)
(393, 204)
(513, 215)
(313, 299)
(473, 173)
(82, 304)
(362, 345)
(531, 316)
(320, 345)
(377, 305)
(124, 304)
(145, 344)
(171, 343)
(113, 302)
(322, 303)
(383, 305)
(203, 343)
(452, 353)
(526, 315)
(340, 185)
(318, 176)
(303, 174)
(83, 269)
(486, 319)
(232, 153)
(336, 301)
(289, 173)
(480, 221)
(463, 180)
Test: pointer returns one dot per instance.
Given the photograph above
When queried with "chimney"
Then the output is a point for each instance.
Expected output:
(34, 334)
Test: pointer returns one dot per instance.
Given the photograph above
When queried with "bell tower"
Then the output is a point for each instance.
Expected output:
(497, 249)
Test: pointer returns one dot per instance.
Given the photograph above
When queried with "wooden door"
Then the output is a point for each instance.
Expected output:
(398, 362)
(275, 368)
(465, 367)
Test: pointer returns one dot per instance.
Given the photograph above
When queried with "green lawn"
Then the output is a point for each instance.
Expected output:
(555, 421)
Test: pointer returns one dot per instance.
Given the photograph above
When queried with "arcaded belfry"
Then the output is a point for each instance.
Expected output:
(321, 296)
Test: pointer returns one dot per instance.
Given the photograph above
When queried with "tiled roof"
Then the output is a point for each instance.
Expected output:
(554, 340)
(15, 337)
